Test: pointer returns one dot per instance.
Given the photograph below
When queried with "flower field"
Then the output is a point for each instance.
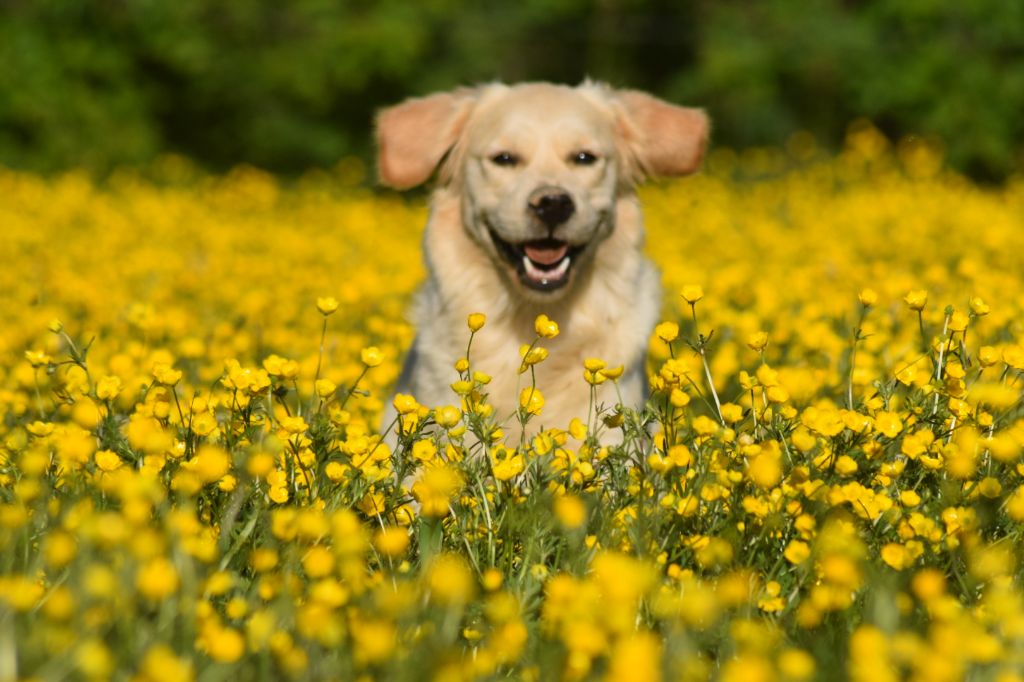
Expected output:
(826, 483)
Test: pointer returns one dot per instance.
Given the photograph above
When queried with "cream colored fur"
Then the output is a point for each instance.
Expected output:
(612, 299)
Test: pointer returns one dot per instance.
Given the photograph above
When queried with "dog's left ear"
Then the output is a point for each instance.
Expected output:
(660, 138)
(413, 137)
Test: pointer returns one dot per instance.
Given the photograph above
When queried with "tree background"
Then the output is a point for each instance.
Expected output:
(291, 85)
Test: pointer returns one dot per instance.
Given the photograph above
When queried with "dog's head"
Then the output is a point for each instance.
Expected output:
(539, 167)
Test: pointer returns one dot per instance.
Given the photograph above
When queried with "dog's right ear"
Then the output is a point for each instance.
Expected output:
(413, 137)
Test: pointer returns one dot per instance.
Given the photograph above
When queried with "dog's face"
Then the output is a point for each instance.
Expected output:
(539, 167)
(540, 171)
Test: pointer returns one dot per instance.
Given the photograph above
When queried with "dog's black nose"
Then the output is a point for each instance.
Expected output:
(552, 206)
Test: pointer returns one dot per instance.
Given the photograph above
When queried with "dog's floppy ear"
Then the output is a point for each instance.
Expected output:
(660, 138)
(414, 136)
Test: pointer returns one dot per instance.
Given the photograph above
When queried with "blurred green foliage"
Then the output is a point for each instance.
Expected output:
(290, 85)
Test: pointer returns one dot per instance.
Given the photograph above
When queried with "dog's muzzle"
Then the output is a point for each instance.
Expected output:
(542, 264)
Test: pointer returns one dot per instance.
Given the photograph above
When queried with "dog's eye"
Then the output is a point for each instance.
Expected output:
(584, 158)
(505, 159)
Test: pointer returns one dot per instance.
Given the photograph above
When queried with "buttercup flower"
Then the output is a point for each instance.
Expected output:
(545, 327)
(476, 321)
(326, 305)
(692, 293)
(916, 299)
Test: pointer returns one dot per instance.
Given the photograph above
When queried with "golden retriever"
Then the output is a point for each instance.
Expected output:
(535, 211)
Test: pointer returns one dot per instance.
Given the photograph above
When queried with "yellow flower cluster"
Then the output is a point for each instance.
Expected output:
(826, 483)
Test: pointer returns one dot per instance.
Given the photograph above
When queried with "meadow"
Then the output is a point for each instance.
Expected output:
(826, 483)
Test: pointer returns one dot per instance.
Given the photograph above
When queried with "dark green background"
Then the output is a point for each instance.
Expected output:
(292, 84)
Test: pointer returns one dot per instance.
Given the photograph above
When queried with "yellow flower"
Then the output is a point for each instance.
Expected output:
(405, 404)
(958, 321)
(577, 429)
(679, 398)
(545, 327)
(476, 321)
(797, 552)
(909, 498)
(680, 455)
(731, 412)
(1015, 504)
(667, 331)
(157, 579)
(391, 541)
(765, 470)
(990, 487)
(492, 579)
(928, 584)
(463, 388)
(435, 489)
(374, 640)
(277, 366)
(108, 388)
(916, 299)
(318, 562)
(449, 580)
(37, 358)
(570, 511)
(424, 451)
(531, 356)
(987, 355)
(165, 374)
(371, 356)
(107, 460)
(161, 664)
(978, 306)
(327, 305)
(447, 417)
(705, 426)
(888, 424)
(757, 341)
(211, 463)
(263, 559)
(325, 388)
(867, 297)
(223, 645)
(636, 658)
(531, 400)
(895, 555)
(846, 465)
(506, 463)
(614, 373)
(94, 659)
(60, 549)
(796, 664)
(692, 293)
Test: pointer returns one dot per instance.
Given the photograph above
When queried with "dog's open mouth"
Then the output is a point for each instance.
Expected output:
(542, 264)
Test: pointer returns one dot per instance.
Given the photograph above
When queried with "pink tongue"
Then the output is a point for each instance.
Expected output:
(545, 256)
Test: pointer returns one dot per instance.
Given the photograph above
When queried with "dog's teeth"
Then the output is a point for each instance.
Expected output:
(545, 276)
(562, 268)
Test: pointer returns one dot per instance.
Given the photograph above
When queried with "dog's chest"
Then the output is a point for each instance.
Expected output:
(559, 377)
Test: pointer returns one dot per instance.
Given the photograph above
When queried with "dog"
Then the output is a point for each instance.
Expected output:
(535, 212)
